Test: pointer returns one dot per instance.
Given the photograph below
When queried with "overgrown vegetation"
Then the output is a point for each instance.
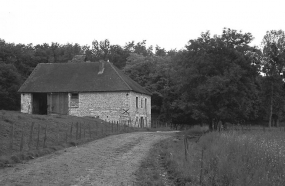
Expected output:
(250, 158)
(236, 157)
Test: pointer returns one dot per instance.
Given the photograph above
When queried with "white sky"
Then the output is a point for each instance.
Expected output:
(169, 24)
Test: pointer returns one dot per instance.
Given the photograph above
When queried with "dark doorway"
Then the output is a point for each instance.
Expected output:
(142, 122)
(40, 103)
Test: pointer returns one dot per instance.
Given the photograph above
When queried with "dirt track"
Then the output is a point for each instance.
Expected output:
(108, 161)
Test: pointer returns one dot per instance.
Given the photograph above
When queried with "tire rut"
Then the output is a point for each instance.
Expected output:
(108, 161)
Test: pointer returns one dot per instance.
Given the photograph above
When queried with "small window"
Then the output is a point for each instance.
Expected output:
(74, 100)
(142, 103)
(145, 102)
(137, 102)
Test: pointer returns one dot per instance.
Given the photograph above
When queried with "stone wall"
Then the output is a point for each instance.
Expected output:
(26, 103)
(142, 110)
(114, 106)
(108, 106)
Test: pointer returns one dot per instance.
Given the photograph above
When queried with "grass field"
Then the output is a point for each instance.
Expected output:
(244, 157)
(56, 132)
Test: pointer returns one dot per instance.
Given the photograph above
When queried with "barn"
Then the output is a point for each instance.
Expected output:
(96, 89)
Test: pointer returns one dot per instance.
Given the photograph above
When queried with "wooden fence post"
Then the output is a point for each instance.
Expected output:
(186, 148)
(66, 135)
(84, 134)
(22, 138)
(201, 167)
(76, 131)
(89, 130)
(38, 139)
(80, 131)
(112, 127)
(45, 138)
(31, 136)
(71, 130)
(96, 129)
(57, 133)
(12, 136)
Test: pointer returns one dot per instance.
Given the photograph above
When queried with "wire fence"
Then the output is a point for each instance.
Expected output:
(34, 135)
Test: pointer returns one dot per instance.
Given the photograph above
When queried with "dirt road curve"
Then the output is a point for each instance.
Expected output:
(108, 161)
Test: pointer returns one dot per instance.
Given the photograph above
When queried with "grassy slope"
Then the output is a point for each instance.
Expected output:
(58, 131)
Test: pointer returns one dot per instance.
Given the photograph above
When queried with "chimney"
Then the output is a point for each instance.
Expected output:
(101, 66)
(78, 59)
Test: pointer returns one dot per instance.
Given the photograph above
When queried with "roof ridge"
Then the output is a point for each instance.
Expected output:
(120, 76)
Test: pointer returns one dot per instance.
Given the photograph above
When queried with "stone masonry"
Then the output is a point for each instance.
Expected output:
(124, 107)
(26, 103)
(115, 107)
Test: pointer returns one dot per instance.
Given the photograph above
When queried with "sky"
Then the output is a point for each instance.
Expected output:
(169, 24)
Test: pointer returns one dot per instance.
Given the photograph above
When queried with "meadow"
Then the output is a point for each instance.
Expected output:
(234, 157)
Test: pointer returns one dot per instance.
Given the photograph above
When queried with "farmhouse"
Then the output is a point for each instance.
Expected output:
(96, 89)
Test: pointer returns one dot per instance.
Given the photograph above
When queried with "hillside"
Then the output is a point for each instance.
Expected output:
(56, 132)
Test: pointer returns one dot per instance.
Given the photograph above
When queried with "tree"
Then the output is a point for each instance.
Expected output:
(219, 77)
(139, 48)
(160, 51)
(10, 83)
(153, 73)
(273, 65)
(118, 56)
(101, 50)
(42, 53)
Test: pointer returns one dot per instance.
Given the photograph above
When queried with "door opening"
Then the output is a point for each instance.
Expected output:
(39, 103)
(142, 122)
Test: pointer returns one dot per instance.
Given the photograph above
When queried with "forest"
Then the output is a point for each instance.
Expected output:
(213, 78)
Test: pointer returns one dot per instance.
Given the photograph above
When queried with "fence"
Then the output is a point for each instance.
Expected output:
(34, 136)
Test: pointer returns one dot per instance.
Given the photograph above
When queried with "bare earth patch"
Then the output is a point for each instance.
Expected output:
(108, 161)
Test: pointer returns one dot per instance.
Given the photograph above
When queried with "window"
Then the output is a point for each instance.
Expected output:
(74, 100)
(137, 102)
(142, 103)
(145, 101)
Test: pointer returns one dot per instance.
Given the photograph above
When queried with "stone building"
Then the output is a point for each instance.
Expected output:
(96, 89)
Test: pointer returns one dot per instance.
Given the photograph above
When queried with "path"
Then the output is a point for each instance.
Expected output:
(109, 161)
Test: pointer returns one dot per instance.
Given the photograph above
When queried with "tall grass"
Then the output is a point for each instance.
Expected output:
(237, 158)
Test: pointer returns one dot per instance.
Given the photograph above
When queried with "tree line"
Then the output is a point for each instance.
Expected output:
(214, 78)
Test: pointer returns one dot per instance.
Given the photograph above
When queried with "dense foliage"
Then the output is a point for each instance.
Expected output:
(214, 78)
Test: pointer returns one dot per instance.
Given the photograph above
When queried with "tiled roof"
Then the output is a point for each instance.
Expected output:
(79, 77)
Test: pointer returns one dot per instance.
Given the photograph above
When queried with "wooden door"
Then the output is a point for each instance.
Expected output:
(58, 103)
